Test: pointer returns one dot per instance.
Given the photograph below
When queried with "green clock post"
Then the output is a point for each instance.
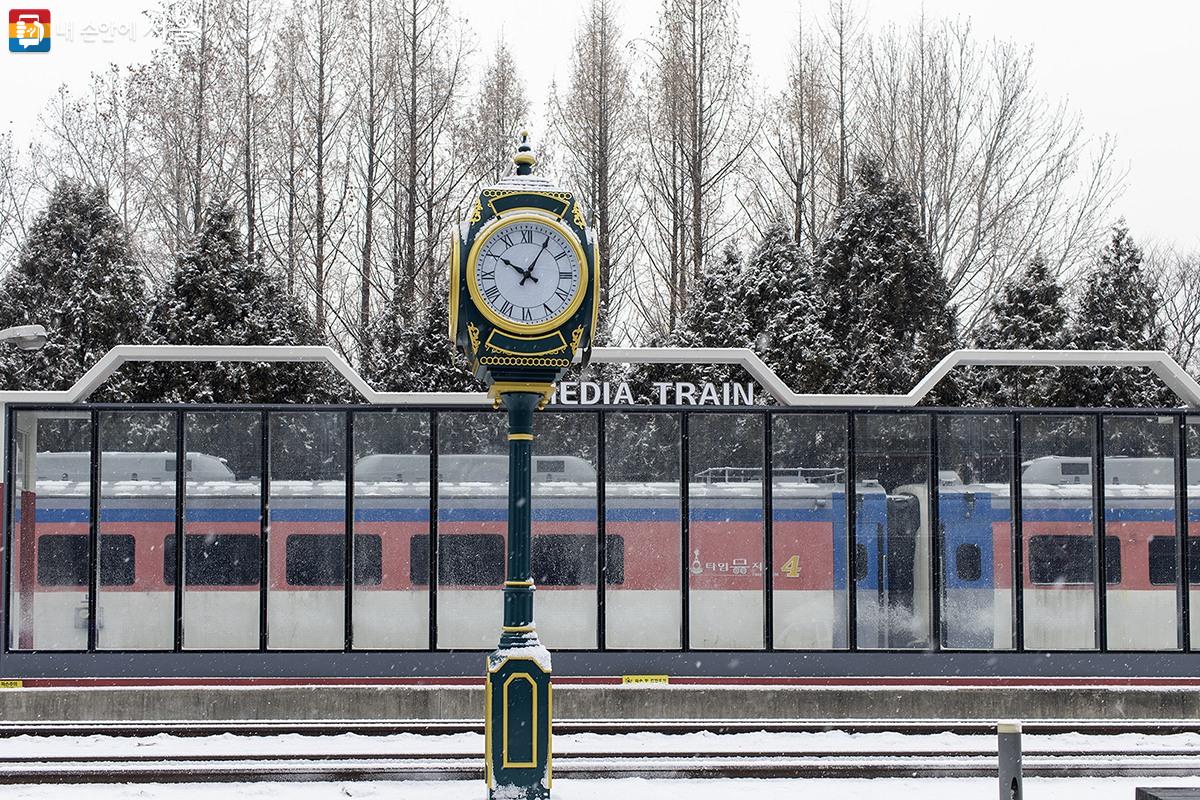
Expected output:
(524, 273)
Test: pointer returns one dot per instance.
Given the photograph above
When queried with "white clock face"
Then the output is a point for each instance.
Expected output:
(527, 272)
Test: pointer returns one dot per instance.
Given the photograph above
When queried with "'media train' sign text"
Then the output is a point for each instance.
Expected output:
(591, 393)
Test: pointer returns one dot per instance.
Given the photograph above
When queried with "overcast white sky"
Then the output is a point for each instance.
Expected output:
(1130, 68)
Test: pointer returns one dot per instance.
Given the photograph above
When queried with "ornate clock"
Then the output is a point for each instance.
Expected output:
(523, 301)
(523, 307)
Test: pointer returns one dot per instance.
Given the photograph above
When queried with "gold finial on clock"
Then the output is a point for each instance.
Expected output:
(525, 159)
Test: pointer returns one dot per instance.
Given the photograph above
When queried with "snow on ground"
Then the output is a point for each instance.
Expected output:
(625, 789)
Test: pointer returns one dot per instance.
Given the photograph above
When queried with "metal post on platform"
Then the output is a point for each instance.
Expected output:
(1008, 754)
(518, 693)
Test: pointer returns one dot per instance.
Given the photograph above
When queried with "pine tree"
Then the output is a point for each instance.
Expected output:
(420, 358)
(76, 277)
(1028, 313)
(782, 308)
(1117, 310)
(886, 311)
(219, 297)
(715, 317)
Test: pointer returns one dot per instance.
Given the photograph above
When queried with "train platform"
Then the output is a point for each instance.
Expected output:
(434, 700)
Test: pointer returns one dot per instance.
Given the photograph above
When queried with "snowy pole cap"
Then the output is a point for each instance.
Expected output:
(1008, 726)
(524, 159)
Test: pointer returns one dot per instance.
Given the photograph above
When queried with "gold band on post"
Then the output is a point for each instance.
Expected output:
(520, 437)
(517, 628)
(518, 583)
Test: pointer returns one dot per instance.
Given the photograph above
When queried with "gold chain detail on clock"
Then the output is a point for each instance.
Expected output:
(576, 335)
(477, 211)
(579, 216)
(515, 361)
(473, 332)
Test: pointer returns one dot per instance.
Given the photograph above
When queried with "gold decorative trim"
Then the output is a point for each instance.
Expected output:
(520, 437)
(514, 361)
(533, 728)
(473, 332)
(577, 213)
(576, 335)
(498, 388)
(493, 195)
(596, 278)
(455, 272)
(495, 227)
(518, 583)
(487, 732)
(476, 211)
(549, 735)
(557, 348)
(517, 628)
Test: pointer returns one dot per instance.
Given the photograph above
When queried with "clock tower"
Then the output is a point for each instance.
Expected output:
(524, 273)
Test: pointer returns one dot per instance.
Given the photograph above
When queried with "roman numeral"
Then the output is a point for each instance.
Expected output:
(508, 242)
(565, 274)
(549, 310)
(491, 293)
(560, 254)
(526, 237)
(526, 314)
(506, 309)
(559, 293)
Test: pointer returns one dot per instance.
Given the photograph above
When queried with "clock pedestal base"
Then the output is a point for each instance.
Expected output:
(518, 724)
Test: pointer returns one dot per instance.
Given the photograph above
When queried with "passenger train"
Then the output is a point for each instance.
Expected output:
(645, 562)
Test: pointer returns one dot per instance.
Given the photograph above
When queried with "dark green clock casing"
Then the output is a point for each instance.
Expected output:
(506, 353)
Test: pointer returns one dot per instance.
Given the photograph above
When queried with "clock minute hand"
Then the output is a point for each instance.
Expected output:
(529, 272)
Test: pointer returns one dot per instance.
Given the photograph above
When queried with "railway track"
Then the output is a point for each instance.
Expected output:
(650, 765)
(194, 728)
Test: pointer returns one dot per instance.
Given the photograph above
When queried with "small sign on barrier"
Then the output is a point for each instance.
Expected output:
(645, 679)
(11, 684)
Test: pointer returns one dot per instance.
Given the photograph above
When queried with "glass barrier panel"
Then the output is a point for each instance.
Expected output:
(222, 530)
(808, 576)
(725, 531)
(1057, 474)
(643, 600)
(892, 544)
(306, 555)
(135, 608)
(564, 554)
(1139, 528)
(51, 519)
(391, 512)
(975, 521)
(472, 529)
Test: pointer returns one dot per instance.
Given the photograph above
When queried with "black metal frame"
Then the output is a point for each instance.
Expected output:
(685, 659)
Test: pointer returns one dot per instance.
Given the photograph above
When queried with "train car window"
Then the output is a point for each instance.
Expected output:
(861, 567)
(968, 563)
(320, 559)
(563, 559)
(1076, 468)
(1162, 560)
(1068, 559)
(62, 560)
(473, 559)
(551, 465)
(228, 560)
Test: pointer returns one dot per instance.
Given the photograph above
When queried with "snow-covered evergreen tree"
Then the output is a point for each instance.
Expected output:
(420, 358)
(1029, 312)
(715, 317)
(782, 307)
(217, 296)
(1118, 309)
(886, 307)
(76, 277)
